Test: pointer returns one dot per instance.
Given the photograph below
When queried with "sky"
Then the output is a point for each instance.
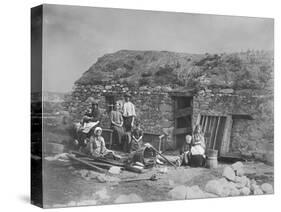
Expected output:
(74, 37)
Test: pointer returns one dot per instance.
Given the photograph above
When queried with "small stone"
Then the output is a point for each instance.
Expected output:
(114, 170)
(267, 188)
(228, 173)
(245, 191)
(227, 90)
(108, 87)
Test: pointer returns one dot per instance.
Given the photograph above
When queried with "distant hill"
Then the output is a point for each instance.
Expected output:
(243, 70)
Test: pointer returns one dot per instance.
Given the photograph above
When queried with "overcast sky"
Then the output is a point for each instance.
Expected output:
(74, 37)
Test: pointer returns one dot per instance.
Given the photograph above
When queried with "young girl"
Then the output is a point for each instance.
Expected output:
(197, 148)
(137, 135)
(96, 145)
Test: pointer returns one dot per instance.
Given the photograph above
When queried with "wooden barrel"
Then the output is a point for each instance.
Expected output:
(212, 159)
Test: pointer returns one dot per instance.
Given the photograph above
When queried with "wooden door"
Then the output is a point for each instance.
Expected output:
(213, 128)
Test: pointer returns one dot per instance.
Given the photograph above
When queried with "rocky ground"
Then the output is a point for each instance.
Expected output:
(67, 185)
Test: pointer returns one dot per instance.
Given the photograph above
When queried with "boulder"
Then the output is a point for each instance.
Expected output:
(194, 192)
(238, 168)
(245, 191)
(178, 193)
(217, 187)
(242, 181)
(228, 173)
(258, 191)
(254, 187)
(234, 191)
(267, 188)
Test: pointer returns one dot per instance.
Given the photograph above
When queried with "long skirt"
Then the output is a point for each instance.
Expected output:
(118, 132)
(135, 145)
(128, 123)
(197, 161)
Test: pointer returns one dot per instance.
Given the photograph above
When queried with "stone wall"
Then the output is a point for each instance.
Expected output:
(153, 105)
(154, 108)
(249, 136)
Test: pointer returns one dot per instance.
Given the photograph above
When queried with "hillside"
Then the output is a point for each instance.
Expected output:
(243, 70)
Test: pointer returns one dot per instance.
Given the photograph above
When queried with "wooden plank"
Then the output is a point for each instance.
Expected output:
(182, 131)
(220, 134)
(217, 127)
(95, 168)
(213, 128)
(205, 124)
(108, 161)
(226, 135)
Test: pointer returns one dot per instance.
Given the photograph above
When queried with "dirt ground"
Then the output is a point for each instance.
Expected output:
(64, 187)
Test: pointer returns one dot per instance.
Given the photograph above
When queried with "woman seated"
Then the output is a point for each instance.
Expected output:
(90, 120)
(96, 145)
(195, 156)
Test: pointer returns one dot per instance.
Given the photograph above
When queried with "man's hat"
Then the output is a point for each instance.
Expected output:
(127, 95)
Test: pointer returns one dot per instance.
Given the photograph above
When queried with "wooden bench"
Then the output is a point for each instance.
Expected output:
(107, 135)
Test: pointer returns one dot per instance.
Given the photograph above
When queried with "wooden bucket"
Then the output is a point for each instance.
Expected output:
(212, 159)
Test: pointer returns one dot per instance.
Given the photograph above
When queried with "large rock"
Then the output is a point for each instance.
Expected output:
(242, 181)
(218, 187)
(267, 188)
(178, 193)
(257, 191)
(228, 173)
(238, 168)
(245, 191)
(194, 192)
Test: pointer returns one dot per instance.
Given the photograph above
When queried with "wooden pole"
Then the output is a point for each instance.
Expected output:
(87, 164)
(164, 157)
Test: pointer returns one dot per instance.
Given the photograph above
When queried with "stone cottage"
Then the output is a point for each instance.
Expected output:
(236, 120)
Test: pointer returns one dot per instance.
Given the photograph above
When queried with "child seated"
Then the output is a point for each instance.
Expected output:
(136, 141)
(96, 146)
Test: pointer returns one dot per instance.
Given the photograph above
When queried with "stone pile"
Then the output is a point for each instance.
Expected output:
(235, 183)
(232, 183)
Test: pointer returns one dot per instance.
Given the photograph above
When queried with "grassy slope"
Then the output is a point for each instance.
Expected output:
(252, 69)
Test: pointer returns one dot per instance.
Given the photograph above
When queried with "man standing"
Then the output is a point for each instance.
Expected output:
(129, 113)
